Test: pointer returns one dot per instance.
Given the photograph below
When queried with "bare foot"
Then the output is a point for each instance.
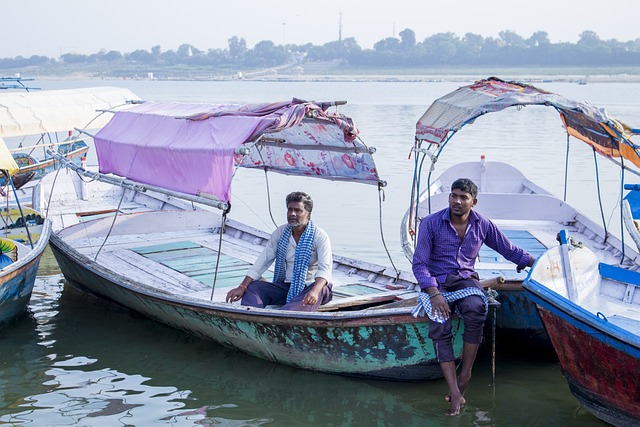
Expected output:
(463, 382)
(462, 386)
(456, 405)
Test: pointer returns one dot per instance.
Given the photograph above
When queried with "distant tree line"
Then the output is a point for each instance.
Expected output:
(443, 49)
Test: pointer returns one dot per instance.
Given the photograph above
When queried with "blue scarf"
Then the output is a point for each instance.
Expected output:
(301, 259)
(424, 302)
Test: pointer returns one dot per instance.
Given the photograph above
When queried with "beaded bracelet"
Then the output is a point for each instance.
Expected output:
(434, 295)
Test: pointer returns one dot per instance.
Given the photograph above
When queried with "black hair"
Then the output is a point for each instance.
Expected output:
(466, 185)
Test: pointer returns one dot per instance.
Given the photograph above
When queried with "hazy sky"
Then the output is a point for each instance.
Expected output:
(54, 27)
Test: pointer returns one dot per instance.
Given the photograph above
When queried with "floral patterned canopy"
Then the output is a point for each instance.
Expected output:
(193, 148)
(592, 125)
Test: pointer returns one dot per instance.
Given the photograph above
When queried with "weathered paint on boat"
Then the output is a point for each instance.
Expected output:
(15, 291)
(33, 169)
(518, 316)
(17, 280)
(602, 372)
(590, 311)
(381, 343)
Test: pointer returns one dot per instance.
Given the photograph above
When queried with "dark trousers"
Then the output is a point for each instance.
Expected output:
(260, 294)
(473, 314)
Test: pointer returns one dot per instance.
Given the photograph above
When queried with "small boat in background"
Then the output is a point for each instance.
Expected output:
(591, 311)
(24, 233)
(24, 237)
(42, 120)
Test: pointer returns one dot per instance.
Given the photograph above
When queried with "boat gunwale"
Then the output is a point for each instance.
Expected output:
(332, 318)
(574, 314)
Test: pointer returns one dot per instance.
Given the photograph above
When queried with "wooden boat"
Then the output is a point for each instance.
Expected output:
(175, 264)
(591, 311)
(40, 120)
(528, 214)
(20, 252)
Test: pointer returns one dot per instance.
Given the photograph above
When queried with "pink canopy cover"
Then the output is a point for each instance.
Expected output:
(191, 148)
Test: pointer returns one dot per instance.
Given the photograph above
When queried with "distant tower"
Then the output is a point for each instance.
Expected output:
(340, 29)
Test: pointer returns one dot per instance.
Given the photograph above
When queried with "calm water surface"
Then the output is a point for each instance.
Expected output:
(76, 360)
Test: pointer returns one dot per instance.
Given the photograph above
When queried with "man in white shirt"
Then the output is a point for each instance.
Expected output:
(302, 253)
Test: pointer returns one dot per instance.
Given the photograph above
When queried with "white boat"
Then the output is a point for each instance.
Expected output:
(31, 122)
(529, 215)
(175, 260)
(591, 311)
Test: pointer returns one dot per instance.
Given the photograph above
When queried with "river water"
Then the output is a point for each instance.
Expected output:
(75, 360)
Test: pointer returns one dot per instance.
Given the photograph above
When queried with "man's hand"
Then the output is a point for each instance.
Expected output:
(236, 294)
(440, 306)
(311, 297)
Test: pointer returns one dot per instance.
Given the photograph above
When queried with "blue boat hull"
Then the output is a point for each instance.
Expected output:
(15, 290)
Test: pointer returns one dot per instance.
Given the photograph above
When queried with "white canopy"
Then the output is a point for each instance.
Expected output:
(31, 113)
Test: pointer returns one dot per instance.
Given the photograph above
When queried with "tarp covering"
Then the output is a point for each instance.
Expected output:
(608, 136)
(7, 162)
(191, 148)
(32, 113)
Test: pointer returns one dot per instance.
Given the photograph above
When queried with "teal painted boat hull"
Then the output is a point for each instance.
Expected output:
(382, 344)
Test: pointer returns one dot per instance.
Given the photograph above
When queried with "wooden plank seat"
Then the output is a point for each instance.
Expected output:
(189, 268)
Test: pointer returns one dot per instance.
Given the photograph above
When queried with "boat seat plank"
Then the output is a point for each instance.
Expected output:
(200, 261)
(619, 274)
(135, 240)
(184, 244)
(631, 325)
(227, 279)
(197, 262)
(357, 301)
(136, 267)
(521, 238)
(197, 259)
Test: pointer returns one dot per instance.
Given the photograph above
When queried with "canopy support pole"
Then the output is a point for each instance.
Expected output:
(24, 220)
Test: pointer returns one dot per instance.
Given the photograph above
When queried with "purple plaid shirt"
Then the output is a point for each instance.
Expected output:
(439, 251)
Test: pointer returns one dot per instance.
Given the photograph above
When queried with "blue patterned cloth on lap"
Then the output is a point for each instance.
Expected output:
(301, 260)
(424, 302)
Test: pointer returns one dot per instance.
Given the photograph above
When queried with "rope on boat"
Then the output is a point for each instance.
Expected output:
(24, 220)
(115, 215)
(53, 185)
(266, 180)
(566, 170)
(621, 207)
(384, 244)
(215, 272)
(604, 224)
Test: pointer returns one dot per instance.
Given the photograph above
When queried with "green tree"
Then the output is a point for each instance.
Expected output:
(407, 40)
(237, 47)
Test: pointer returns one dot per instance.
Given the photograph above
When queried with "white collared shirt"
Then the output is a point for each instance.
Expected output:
(320, 263)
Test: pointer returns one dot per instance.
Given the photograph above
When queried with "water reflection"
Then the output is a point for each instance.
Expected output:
(82, 361)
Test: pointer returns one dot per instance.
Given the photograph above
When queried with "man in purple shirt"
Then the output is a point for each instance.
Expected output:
(443, 262)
